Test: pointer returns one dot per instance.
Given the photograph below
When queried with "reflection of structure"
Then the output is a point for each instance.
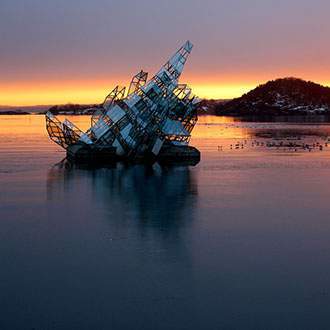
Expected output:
(159, 197)
(140, 122)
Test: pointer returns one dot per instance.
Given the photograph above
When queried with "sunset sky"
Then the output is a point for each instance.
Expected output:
(76, 51)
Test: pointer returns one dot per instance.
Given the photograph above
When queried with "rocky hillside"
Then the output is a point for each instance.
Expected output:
(209, 107)
(281, 96)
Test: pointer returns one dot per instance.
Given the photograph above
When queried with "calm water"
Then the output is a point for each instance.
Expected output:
(240, 241)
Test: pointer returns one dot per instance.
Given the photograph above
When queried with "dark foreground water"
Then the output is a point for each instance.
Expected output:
(241, 241)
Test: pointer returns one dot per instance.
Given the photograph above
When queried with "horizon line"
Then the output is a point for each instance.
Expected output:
(90, 96)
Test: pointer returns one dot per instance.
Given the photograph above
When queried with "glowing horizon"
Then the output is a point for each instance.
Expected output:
(85, 92)
(29, 96)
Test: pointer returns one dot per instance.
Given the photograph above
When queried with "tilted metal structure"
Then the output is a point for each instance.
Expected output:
(137, 123)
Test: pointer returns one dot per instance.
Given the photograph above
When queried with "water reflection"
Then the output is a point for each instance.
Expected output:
(127, 247)
(158, 197)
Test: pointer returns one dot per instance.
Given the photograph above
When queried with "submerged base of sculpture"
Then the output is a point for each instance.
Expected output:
(169, 155)
(177, 155)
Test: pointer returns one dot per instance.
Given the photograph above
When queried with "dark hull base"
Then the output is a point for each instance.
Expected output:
(174, 155)
(169, 155)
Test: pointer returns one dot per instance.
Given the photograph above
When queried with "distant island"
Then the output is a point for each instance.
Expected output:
(63, 109)
(286, 96)
(22, 110)
(14, 112)
(74, 109)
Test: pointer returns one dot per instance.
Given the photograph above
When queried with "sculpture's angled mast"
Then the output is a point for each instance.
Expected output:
(176, 63)
(174, 66)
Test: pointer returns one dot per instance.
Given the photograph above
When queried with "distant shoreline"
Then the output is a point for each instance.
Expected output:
(288, 118)
(19, 113)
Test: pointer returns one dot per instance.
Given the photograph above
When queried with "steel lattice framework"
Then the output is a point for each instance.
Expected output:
(140, 121)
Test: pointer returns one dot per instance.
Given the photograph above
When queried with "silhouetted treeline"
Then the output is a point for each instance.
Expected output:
(74, 109)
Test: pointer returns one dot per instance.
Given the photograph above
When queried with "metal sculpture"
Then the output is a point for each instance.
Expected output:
(152, 113)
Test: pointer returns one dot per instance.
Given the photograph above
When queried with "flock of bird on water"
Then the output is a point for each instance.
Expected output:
(292, 143)
(280, 145)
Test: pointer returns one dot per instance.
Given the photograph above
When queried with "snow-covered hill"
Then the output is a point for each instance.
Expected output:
(281, 96)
